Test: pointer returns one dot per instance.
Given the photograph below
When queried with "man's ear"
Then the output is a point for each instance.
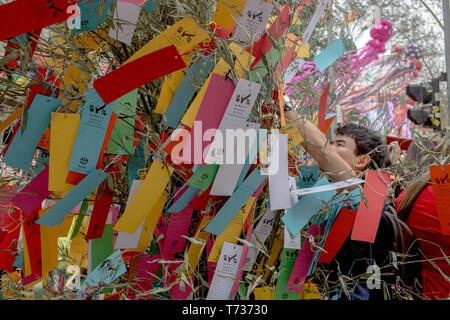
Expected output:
(361, 162)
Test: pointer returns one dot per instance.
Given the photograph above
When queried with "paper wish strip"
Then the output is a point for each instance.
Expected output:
(299, 215)
(31, 197)
(288, 258)
(125, 18)
(302, 263)
(261, 232)
(279, 172)
(235, 203)
(314, 20)
(132, 76)
(195, 76)
(225, 272)
(368, 217)
(19, 17)
(252, 22)
(145, 199)
(57, 213)
(63, 133)
(91, 133)
(92, 14)
(23, 146)
(328, 56)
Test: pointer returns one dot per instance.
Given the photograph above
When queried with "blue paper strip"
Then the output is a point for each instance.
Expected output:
(108, 271)
(328, 56)
(150, 6)
(21, 151)
(235, 203)
(89, 17)
(136, 162)
(91, 133)
(184, 199)
(195, 76)
(299, 215)
(262, 134)
(58, 212)
(308, 176)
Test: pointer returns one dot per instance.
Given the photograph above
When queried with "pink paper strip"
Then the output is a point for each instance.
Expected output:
(146, 271)
(33, 194)
(302, 263)
(242, 263)
(178, 225)
(209, 116)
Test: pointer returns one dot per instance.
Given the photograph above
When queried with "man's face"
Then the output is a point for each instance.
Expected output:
(345, 147)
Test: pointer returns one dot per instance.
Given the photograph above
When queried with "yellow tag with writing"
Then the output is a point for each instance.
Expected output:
(310, 292)
(184, 35)
(149, 225)
(195, 250)
(265, 293)
(146, 198)
(232, 231)
(227, 11)
(63, 132)
(168, 89)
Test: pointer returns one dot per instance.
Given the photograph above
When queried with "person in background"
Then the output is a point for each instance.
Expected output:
(417, 207)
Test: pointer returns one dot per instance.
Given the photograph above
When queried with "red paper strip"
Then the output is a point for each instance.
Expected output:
(337, 235)
(31, 197)
(99, 214)
(32, 232)
(440, 177)
(138, 73)
(277, 29)
(368, 218)
(403, 143)
(22, 16)
(9, 237)
(323, 108)
(145, 274)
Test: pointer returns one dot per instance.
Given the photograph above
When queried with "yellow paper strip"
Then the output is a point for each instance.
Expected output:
(146, 198)
(184, 35)
(264, 293)
(13, 116)
(226, 10)
(75, 78)
(26, 256)
(168, 89)
(232, 231)
(195, 250)
(310, 292)
(79, 247)
(62, 138)
(149, 226)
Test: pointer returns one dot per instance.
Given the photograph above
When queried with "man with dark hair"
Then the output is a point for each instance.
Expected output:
(354, 149)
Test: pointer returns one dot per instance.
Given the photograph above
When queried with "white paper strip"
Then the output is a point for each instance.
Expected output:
(331, 186)
(291, 242)
(292, 70)
(225, 273)
(228, 174)
(262, 231)
(252, 22)
(125, 18)
(312, 24)
(279, 172)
